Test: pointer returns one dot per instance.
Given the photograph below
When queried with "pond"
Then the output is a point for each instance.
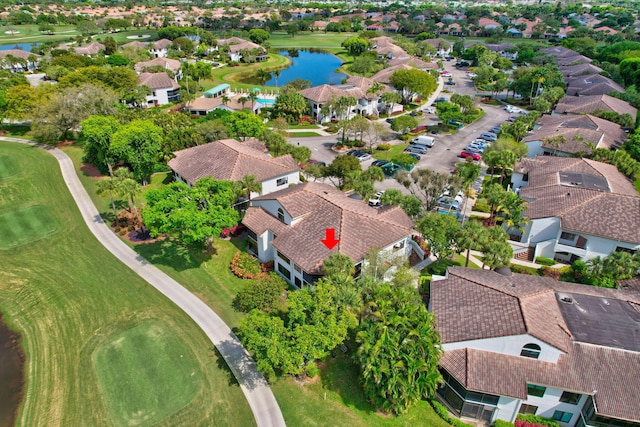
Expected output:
(11, 373)
(317, 66)
(22, 46)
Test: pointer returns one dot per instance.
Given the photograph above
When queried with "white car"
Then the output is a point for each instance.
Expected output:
(375, 201)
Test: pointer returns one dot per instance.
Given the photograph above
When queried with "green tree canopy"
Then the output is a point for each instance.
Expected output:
(399, 348)
(356, 46)
(139, 144)
(413, 82)
(194, 215)
(97, 132)
(440, 232)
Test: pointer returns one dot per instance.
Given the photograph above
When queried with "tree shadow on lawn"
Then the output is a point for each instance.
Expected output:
(341, 375)
(170, 253)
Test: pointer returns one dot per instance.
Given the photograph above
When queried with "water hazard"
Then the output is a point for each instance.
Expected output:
(11, 375)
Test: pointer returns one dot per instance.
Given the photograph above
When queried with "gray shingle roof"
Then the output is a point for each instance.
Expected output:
(591, 103)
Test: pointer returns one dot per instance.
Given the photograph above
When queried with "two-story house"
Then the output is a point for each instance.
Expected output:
(18, 60)
(160, 48)
(577, 209)
(358, 87)
(592, 103)
(231, 160)
(288, 227)
(236, 46)
(164, 89)
(519, 344)
(572, 135)
(172, 65)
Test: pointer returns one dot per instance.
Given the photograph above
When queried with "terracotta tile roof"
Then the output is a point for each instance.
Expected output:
(591, 103)
(92, 48)
(614, 215)
(258, 220)
(325, 92)
(170, 64)
(317, 207)
(18, 53)
(610, 372)
(135, 44)
(414, 62)
(383, 76)
(157, 81)
(436, 42)
(162, 44)
(230, 160)
(237, 44)
(205, 104)
(578, 131)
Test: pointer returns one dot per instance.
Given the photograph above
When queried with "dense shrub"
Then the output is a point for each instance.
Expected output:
(245, 266)
(481, 206)
(534, 421)
(442, 412)
(545, 261)
(264, 294)
(554, 273)
(502, 423)
(383, 147)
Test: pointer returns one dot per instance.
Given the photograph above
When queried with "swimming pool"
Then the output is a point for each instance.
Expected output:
(264, 101)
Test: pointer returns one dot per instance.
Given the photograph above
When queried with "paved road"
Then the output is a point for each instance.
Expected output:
(255, 388)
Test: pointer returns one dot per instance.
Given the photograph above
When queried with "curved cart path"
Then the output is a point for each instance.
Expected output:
(255, 388)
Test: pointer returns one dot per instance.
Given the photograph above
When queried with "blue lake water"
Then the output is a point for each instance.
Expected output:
(23, 46)
(318, 67)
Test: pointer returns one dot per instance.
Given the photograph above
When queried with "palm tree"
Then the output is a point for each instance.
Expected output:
(276, 74)
(250, 185)
(109, 187)
(225, 99)
(262, 75)
(243, 100)
(514, 206)
(468, 237)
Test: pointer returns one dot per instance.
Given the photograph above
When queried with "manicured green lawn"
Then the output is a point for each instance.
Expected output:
(318, 40)
(30, 34)
(146, 374)
(233, 75)
(25, 224)
(122, 36)
(336, 398)
(388, 155)
(70, 299)
(303, 134)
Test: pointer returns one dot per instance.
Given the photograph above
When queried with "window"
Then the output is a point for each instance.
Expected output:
(527, 409)
(286, 273)
(297, 268)
(282, 181)
(280, 214)
(535, 390)
(567, 236)
(570, 398)
(530, 350)
(525, 177)
(298, 282)
(283, 258)
(561, 416)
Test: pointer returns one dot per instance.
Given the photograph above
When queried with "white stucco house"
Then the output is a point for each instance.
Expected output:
(577, 209)
(160, 48)
(519, 344)
(367, 103)
(287, 227)
(236, 46)
(231, 160)
(172, 65)
(164, 89)
(568, 135)
(18, 60)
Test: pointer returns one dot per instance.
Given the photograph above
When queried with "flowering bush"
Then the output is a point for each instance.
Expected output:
(423, 245)
(245, 266)
(233, 231)
(305, 120)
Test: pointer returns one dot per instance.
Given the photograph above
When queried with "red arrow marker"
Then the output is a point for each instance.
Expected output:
(330, 239)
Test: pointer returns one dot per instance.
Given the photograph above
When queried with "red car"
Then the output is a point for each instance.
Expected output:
(474, 156)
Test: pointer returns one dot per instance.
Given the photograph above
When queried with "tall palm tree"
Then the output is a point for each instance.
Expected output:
(250, 185)
(468, 237)
(253, 97)
(225, 99)
(262, 75)
(109, 187)
(243, 100)
(276, 74)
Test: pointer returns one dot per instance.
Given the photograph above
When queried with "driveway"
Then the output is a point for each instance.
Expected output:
(255, 388)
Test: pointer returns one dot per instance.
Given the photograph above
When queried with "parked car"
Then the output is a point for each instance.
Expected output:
(390, 169)
(413, 114)
(496, 129)
(512, 119)
(379, 163)
(489, 136)
(375, 200)
(312, 162)
(473, 149)
(482, 142)
(428, 110)
(390, 120)
(354, 152)
(441, 99)
(418, 149)
(467, 154)
(450, 83)
(363, 156)
(415, 156)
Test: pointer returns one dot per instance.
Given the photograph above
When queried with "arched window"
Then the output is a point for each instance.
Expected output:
(280, 214)
(531, 350)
